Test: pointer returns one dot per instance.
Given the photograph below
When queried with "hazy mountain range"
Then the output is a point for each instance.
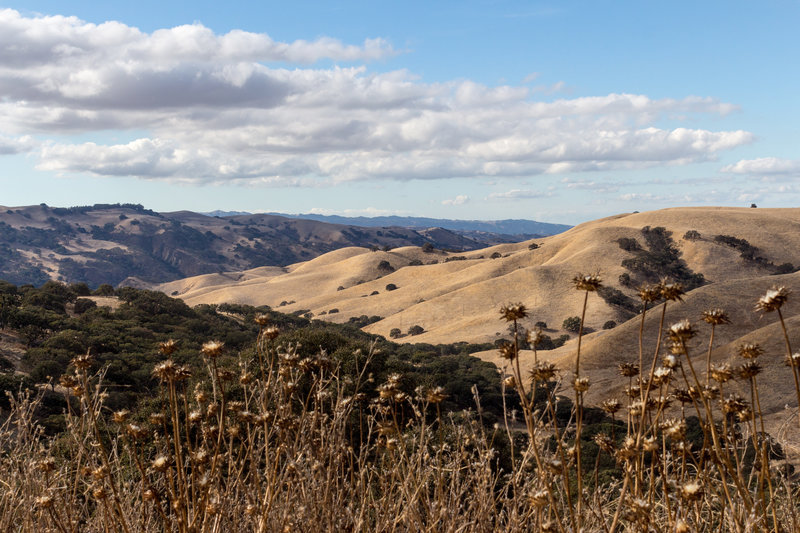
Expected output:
(116, 243)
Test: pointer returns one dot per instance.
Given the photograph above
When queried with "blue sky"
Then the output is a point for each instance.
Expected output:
(555, 111)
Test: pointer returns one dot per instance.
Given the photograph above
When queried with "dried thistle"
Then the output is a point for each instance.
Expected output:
(672, 291)
(716, 317)
(629, 370)
(587, 282)
(773, 300)
(750, 350)
(513, 312)
(681, 331)
(212, 349)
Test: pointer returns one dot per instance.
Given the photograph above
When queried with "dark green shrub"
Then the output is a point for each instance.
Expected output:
(391, 287)
(416, 330)
(610, 325)
(572, 324)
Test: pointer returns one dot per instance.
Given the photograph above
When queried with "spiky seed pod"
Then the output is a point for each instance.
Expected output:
(611, 405)
(539, 498)
(793, 360)
(692, 491)
(672, 291)
(68, 381)
(46, 465)
(100, 493)
(682, 395)
(212, 349)
(716, 317)
(508, 351)
(580, 384)
(167, 348)
(661, 375)
(149, 495)
(436, 395)
(676, 348)
(587, 282)
(510, 382)
(121, 416)
(534, 337)
(543, 371)
(160, 463)
(157, 419)
(44, 502)
(773, 299)
(634, 391)
(721, 373)
(682, 527)
(674, 429)
(650, 293)
(135, 432)
(681, 331)
(629, 370)
(745, 415)
(83, 361)
(270, 332)
(166, 371)
(511, 312)
(604, 442)
(750, 350)
(650, 444)
(734, 404)
(711, 392)
(670, 361)
(554, 465)
(100, 473)
(749, 369)
(261, 319)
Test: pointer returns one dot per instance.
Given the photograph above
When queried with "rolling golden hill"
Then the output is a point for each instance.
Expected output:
(455, 297)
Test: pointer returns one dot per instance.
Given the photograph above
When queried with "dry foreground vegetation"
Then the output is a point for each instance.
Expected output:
(682, 425)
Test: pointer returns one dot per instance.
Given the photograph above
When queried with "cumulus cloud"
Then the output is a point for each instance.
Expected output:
(765, 166)
(226, 107)
(461, 199)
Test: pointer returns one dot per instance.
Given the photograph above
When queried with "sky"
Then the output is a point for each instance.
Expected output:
(552, 111)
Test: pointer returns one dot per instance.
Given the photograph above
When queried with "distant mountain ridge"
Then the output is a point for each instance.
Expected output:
(127, 243)
(511, 227)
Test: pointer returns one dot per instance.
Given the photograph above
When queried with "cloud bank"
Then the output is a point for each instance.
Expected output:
(243, 108)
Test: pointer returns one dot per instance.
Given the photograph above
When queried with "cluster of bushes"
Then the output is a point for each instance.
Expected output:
(659, 260)
(752, 254)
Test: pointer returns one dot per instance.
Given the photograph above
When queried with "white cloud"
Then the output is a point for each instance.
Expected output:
(214, 109)
(17, 145)
(518, 194)
(366, 212)
(765, 166)
(461, 199)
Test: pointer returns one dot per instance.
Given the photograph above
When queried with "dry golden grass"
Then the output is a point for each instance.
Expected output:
(451, 300)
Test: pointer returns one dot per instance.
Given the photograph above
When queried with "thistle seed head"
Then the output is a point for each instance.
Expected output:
(167, 348)
(212, 349)
(513, 312)
(587, 282)
(773, 299)
(672, 291)
(716, 317)
(681, 331)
